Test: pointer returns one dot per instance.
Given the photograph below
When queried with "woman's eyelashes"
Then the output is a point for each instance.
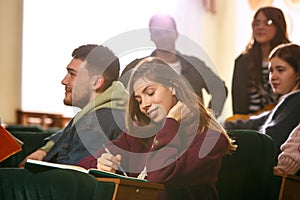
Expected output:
(148, 92)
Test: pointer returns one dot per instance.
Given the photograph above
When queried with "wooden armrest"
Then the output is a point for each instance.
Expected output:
(289, 176)
(290, 185)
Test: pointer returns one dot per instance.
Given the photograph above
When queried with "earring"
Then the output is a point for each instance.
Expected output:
(173, 92)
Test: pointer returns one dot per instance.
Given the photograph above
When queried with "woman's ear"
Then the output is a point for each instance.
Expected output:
(98, 82)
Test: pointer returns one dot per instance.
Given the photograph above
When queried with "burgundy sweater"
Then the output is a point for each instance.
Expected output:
(186, 162)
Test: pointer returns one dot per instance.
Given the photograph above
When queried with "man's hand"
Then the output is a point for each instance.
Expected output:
(37, 155)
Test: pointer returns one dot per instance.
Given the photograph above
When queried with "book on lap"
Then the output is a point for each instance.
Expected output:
(9, 144)
(42, 165)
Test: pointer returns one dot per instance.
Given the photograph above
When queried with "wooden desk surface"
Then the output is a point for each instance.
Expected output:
(131, 189)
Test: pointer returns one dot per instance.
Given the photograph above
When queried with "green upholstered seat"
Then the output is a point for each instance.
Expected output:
(58, 184)
(25, 128)
(248, 172)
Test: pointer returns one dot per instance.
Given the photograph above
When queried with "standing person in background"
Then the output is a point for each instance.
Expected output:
(163, 32)
(171, 137)
(90, 84)
(251, 90)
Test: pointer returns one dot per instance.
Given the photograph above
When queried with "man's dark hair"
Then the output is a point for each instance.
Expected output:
(83, 51)
(100, 60)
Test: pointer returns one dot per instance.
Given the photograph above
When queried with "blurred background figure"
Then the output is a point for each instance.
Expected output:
(163, 33)
(251, 91)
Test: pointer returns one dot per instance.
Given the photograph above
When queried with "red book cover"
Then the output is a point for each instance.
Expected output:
(9, 145)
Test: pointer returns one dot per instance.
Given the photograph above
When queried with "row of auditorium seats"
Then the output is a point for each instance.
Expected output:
(246, 174)
(45, 120)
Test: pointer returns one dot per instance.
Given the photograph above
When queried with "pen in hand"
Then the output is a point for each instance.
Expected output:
(120, 167)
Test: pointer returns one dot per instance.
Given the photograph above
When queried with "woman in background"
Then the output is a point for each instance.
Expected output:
(251, 91)
(284, 78)
(172, 137)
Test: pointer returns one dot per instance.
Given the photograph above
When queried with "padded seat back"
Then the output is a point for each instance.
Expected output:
(25, 128)
(58, 184)
(248, 172)
(32, 141)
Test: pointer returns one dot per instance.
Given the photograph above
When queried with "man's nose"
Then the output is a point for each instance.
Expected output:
(65, 80)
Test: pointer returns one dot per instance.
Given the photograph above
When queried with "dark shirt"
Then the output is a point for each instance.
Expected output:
(277, 123)
(243, 88)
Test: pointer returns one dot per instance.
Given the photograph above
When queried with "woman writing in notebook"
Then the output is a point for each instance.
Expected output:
(172, 138)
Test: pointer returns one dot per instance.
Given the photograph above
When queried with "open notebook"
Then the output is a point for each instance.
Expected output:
(42, 165)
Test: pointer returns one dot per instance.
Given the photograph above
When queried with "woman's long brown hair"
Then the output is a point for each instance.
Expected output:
(253, 49)
(156, 70)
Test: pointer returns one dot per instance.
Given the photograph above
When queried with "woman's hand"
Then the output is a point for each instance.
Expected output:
(179, 111)
(108, 162)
